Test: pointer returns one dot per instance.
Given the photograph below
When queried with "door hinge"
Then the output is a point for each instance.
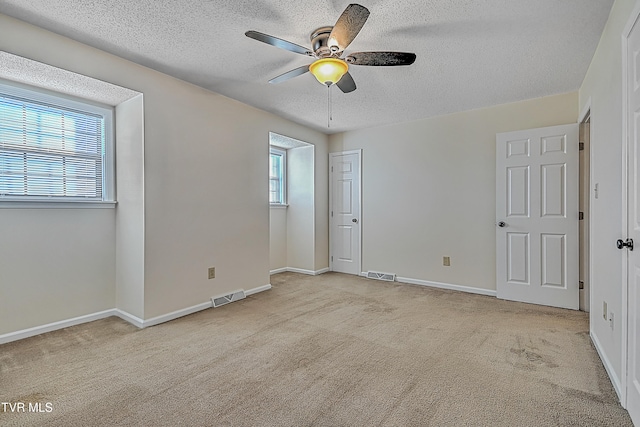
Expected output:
(332, 258)
(581, 146)
(580, 216)
(331, 214)
(331, 168)
(580, 284)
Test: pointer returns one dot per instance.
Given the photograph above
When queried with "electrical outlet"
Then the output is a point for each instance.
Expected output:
(212, 273)
(604, 310)
(446, 261)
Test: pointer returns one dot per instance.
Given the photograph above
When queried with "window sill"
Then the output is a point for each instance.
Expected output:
(278, 206)
(57, 204)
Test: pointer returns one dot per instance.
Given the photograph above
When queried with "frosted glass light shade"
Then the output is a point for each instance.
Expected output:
(329, 71)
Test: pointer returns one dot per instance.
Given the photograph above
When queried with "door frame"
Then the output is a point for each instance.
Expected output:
(626, 319)
(332, 157)
(585, 114)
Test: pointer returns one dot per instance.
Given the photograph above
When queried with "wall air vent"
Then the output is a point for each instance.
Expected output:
(226, 299)
(387, 277)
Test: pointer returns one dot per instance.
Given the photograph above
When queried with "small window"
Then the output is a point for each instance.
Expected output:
(54, 148)
(277, 176)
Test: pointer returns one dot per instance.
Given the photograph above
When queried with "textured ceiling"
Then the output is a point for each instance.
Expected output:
(470, 53)
(285, 142)
(33, 73)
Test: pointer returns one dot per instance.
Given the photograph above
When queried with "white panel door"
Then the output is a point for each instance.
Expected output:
(633, 225)
(344, 215)
(537, 216)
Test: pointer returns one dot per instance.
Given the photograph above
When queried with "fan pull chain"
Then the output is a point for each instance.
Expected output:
(330, 104)
(329, 118)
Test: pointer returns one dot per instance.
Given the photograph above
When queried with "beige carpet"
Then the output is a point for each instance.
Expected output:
(331, 350)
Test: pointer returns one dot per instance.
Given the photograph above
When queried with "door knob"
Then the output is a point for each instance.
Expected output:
(354, 220)
(502, 224)
(628, 244)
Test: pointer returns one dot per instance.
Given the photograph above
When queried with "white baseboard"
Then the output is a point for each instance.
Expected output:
(461, 288)
(607, 366)
(300, 270)
(134, 320)
(37, 330)
(176, 314)
(183, 312)
(258, 289)
(128, 317)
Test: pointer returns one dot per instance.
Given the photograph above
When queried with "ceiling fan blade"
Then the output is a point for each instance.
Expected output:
(290, 74)
(381, 58)
(347, 27)
(346, 83)
(282, 44)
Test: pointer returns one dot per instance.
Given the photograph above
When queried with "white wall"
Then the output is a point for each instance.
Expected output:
(205, 190)
(321, 194)
(602, 86)
(130, 210)
(277, 238)
(298, 237)
(428, 189)
(293, 229)
(300, 213)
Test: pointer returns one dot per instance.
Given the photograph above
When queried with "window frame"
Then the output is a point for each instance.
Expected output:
(273, 150)
(36, 94)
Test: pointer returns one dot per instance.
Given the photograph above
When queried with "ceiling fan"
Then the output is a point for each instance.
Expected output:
(329, 44)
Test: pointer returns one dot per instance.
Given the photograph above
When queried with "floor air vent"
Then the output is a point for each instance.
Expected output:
(226, 299)
(387, 277)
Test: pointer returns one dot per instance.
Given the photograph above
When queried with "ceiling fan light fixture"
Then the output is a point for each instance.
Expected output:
(329, 71)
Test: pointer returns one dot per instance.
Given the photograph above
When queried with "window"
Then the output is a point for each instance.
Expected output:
(277, 176)
(53, 148)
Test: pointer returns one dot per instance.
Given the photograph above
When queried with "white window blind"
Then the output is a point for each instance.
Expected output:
(50, 151)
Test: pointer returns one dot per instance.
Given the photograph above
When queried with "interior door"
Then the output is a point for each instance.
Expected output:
(344, 215)
(633, 225)
(537, 216)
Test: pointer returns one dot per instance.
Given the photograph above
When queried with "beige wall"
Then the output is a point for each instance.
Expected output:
(428, 189)
(602, 87)
(55, 264)
(205, 191)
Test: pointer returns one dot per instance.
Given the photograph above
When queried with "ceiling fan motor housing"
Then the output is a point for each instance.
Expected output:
(319, 39)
